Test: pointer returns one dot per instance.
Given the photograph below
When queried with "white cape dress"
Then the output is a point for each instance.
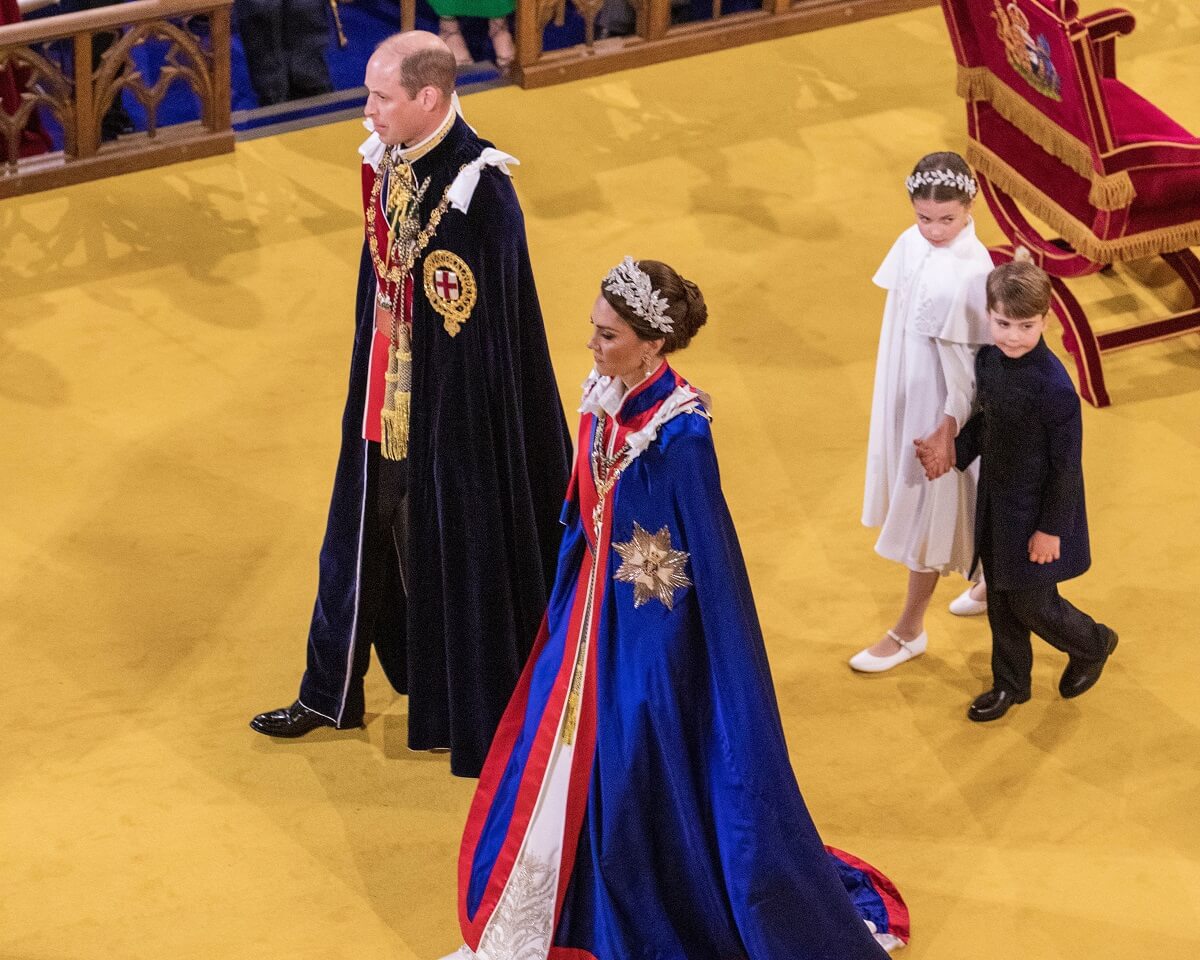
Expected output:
(934, 321)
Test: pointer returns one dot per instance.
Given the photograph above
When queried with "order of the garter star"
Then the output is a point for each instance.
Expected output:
(653, 566)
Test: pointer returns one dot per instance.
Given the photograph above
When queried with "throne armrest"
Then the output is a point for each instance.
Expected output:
(1103, 29)
(1156, 155)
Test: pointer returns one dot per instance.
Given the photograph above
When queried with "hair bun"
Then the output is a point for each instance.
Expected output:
(685, 305)
(697, 310)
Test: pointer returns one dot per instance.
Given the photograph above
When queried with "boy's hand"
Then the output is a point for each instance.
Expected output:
(929, 459)
(1043, 548)
(936, 453)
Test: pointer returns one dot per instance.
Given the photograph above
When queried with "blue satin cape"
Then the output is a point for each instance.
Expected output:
(686, 837)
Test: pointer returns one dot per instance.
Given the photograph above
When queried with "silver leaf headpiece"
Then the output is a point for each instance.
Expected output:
(941, 178)
(632, 284)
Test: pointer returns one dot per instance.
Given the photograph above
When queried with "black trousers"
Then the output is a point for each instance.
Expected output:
(284, 41)
(1015, 614)
(333, 682)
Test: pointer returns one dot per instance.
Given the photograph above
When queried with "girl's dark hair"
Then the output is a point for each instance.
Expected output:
(942, 192)
(685, 306)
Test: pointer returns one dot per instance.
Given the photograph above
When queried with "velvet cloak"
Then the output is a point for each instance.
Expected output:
(488, 462)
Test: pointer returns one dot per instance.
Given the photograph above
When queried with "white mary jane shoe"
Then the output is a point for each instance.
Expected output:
(866, 662)
(964, 605)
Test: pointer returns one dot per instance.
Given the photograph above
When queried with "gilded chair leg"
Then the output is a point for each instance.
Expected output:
(1081, 342)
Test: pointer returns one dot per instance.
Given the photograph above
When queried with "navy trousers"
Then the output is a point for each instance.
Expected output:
(1016, 614)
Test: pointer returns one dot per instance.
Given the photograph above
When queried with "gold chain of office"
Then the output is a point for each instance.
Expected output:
(409, 242)
(606, 471)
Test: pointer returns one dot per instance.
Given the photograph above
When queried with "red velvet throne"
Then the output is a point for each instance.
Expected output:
(1052, 129)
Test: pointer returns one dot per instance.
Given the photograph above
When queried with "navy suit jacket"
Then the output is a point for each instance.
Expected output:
(1028, 432)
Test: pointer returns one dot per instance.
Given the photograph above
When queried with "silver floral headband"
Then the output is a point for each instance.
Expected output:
(941, 178)
(632, 284)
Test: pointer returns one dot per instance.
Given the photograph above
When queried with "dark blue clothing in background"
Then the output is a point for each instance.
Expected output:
(284, 42)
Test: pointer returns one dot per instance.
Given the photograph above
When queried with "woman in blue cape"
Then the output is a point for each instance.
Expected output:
(638, 800)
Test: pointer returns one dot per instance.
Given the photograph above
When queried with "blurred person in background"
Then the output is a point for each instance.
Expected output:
(284, 42)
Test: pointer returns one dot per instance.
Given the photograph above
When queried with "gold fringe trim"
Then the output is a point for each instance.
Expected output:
(979, 83)
(395, 427)
(1109, 192)
(1112, 192)
(1078, 234)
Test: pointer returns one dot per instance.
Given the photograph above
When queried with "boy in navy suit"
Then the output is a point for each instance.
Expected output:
(1030, 524)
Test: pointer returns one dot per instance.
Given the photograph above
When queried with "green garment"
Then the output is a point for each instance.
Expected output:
(473, 8)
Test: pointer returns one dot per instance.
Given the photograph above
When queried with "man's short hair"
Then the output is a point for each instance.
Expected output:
(428, 68)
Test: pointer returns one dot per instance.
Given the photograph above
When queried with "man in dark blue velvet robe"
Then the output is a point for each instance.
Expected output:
(441, 556)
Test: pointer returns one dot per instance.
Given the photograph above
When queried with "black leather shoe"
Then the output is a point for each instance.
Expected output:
(992, 705)
(1081, 675)
(293, 721)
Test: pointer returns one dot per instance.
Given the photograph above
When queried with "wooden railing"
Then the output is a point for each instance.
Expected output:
(56, 52)
(656, 39)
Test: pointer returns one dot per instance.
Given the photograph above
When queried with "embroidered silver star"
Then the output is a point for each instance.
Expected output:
(653, 566)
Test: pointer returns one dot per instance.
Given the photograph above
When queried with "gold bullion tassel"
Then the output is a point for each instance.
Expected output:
(571, 721)
(397, 398)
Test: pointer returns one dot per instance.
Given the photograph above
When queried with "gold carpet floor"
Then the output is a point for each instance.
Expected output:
(173, 351)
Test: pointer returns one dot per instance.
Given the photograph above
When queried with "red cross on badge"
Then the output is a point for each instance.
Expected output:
(446, 284)
(449, 288)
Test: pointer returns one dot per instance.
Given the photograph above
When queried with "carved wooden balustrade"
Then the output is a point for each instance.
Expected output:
(56, 55)
(657, 39)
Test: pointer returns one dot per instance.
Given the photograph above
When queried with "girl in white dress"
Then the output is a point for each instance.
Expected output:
(934, 321)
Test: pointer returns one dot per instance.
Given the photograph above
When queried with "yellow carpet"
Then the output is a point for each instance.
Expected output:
(173, 350)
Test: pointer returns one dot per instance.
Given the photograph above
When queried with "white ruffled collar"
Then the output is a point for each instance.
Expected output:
(602, 394)
(608, 394)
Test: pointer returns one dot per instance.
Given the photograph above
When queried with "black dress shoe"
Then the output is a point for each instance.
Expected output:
(1081, 675)
(993, 705)
(293, 721)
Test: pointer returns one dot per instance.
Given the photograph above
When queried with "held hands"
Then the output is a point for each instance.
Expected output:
(934, 456)
(935, 450)
(1043, 548)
